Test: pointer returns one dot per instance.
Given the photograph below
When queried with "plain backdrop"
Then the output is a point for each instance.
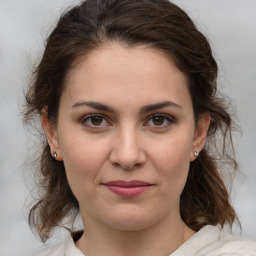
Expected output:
(230, 26)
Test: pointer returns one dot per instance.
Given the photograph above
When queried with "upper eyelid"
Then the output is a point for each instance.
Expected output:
(110, 120)
(167, 116)
(93, 115)
(170, 121)
(86, 117)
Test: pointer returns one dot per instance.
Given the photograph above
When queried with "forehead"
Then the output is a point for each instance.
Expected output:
(118, 72)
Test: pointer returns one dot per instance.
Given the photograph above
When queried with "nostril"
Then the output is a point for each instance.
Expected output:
(127, 162)
(127, 151)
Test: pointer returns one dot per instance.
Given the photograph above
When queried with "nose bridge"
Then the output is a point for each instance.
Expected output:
(127, 151)
(128, 136)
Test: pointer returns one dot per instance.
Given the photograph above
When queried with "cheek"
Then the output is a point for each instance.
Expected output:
(172, 160)
(173, 151)
(83, 159)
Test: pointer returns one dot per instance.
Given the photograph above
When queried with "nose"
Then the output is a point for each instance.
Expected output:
(127, 151)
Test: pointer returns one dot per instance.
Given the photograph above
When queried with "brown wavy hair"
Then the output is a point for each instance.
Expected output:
(160, 25)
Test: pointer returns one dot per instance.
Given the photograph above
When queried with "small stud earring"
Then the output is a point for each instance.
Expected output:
(196, 154)
(54, 155)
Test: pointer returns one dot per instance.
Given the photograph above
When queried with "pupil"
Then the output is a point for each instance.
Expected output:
(158, 120)
(96, 120)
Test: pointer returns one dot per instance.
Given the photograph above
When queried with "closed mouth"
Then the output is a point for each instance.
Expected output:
(131, 188)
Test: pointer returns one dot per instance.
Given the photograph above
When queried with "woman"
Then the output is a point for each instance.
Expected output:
(127, 96)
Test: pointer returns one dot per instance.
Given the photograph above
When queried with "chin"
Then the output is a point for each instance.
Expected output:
(131, 219)
(129, 224)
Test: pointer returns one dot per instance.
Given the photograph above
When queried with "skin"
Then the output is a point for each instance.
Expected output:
(127, 143)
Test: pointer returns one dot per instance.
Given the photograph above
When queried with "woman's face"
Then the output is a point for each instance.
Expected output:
(126, 133)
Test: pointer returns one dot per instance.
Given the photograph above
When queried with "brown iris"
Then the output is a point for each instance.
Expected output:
(158, 120)
(96, 120)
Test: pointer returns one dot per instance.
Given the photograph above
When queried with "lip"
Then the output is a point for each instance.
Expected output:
(131, 188)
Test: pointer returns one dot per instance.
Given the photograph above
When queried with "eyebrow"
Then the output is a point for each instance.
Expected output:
(144, 109)
(95, 105)
(156, 106)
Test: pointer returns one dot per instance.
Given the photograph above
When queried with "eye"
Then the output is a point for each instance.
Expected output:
(94, 121)
(160, 121)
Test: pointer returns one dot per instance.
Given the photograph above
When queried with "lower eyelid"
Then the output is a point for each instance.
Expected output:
(85, 119)
(170, 119)
(166, 117)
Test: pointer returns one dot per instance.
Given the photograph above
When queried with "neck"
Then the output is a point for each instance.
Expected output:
(161, 239)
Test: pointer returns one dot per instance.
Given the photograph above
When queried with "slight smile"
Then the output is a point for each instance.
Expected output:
(131, 188)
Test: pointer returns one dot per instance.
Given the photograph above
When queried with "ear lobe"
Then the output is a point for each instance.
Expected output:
(200, 134)
(51, 134)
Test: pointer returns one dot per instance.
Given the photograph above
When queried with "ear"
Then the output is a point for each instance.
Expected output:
(200, 135)
(51, 134)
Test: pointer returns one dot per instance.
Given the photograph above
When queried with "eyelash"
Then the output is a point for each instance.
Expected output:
(87, 118)
(168, 120)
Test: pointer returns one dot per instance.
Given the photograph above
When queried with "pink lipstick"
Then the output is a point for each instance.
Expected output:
(127, 188)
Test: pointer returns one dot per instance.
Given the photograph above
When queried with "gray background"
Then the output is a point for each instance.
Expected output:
(231, 28)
